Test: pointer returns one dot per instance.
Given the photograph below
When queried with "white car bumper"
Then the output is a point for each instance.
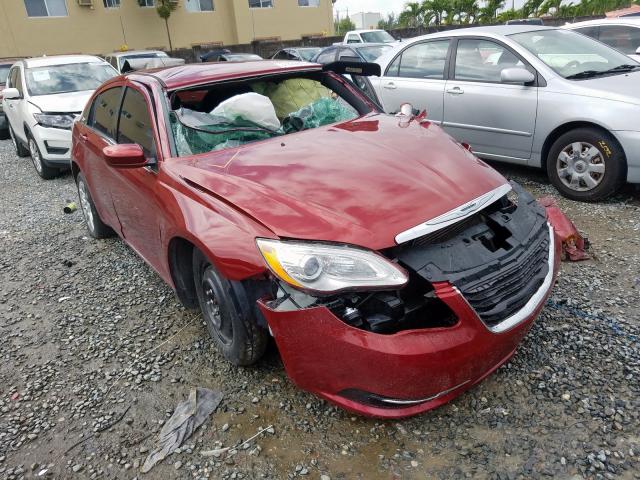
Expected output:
(54, 145)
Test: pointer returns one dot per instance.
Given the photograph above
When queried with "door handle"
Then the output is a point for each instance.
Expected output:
(455, 91)
(390, 86)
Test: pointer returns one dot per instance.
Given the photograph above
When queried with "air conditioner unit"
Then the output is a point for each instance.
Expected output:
(85, 3)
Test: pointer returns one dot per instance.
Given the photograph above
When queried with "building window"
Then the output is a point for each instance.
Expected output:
(46, 8)
(260, 3)
(111, 3)
(147, 3)
(308, 3)
(199, 5)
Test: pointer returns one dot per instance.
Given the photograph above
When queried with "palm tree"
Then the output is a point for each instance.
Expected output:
(435, 10)
(412, 15)
(489, 12)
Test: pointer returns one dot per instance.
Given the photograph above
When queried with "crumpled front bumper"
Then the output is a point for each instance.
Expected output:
(399, 375)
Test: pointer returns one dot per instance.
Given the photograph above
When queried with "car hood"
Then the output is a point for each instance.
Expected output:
(62, 102)
(621, 88)
(360, 182)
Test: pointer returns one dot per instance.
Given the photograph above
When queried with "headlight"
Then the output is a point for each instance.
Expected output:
(329, 268)
(55, 120)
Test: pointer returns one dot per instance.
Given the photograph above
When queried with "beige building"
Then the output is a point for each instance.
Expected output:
(37, 27)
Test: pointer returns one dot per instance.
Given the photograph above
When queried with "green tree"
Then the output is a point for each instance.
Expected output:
(435, 10)
(165, 8)
(489, 13)
(412, 15)
(344, 25)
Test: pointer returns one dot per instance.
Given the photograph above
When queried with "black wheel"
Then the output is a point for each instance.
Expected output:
(586, 164)
(4, 134)
(97, 228)
(21, 150)
(44, 170)
(228, 315)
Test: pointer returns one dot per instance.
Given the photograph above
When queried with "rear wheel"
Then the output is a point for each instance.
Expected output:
(230, 320)
(97, 228)
(586, 164)
(39, 164)
(21, 151)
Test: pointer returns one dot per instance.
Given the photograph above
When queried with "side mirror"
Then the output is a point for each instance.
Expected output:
(516, 75)
(128, 155)
(11, 93)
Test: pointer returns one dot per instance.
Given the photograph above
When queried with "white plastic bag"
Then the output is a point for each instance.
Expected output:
(252, 107)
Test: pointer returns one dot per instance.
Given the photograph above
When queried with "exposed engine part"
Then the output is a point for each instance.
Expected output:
(379, 312)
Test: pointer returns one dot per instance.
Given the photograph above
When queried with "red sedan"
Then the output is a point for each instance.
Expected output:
(393, 268)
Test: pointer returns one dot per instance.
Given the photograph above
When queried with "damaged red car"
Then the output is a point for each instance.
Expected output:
(393, 268)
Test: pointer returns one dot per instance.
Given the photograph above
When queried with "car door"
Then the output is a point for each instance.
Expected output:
(16, 106)
(417, 76)
(96, 131)
(134, 191)
(497, 119)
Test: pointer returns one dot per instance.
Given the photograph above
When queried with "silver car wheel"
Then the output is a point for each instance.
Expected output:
(35, 155)
(580, 166)
(85, 204)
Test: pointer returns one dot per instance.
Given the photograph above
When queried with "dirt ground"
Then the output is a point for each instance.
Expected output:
(93, 337)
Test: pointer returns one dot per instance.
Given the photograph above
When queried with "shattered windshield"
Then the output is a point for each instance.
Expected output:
(229, 116)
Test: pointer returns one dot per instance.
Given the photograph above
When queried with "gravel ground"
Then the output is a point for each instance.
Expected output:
(93, 337)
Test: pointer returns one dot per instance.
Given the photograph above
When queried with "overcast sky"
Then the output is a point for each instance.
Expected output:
(382, 6)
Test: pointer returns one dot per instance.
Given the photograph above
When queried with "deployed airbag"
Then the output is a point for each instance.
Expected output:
(251, 107)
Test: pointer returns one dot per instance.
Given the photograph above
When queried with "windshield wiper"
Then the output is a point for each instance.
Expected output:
(596, 73)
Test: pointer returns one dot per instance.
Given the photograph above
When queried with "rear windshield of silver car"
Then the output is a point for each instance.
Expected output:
(73, 77)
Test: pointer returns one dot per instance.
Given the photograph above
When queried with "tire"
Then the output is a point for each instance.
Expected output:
(45, 171)
(586, 164)
(21, 150)
(97, 228)
(4, 134)
(228, 315)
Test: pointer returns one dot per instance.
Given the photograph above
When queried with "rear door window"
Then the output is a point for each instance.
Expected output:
(104, 112)
(589, 31)
(424, 60)
(135, 124)
(621, 37)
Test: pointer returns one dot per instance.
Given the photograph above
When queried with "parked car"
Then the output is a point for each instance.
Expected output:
(620, 33)
(42, 99)
(213, 55)
(231, 57)
(5, 65)
(118, 59)
(301, 54)
(366, 52)
(525, 21)
(535, 96)
(368, 36)
(393, 268)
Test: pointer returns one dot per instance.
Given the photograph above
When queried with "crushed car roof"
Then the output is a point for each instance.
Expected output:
(199, 73)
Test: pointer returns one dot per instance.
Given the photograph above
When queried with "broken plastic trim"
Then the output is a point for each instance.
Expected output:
(373, 400)
(453, 216)
(537, 298)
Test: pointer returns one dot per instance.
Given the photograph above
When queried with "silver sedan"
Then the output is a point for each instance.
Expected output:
(530, 95)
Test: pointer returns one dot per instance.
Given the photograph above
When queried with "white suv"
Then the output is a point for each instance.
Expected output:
(43, 98)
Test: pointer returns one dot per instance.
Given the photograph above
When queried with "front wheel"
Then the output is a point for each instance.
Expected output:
(586, 164)
(230, 319)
